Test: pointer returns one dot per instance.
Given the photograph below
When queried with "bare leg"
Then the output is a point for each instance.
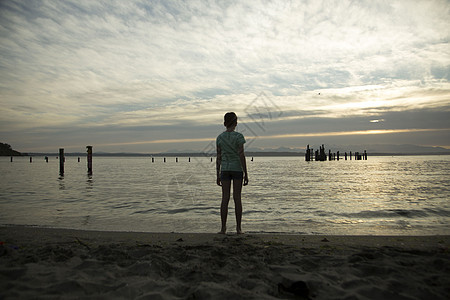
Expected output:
(237, 188)
(226, 186)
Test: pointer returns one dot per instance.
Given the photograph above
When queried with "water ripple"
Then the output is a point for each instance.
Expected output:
(384, 195)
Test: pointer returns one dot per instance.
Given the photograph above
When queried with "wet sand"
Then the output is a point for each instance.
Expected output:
(61, 263)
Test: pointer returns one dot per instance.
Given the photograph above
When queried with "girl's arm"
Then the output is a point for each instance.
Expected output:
(218, 163)
(243, 163)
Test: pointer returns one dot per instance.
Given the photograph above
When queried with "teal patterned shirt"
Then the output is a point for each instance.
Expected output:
(229, 143)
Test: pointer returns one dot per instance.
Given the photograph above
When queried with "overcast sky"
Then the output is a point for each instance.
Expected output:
(151, 76)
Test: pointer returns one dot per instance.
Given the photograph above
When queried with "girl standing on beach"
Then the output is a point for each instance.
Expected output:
(231, 166)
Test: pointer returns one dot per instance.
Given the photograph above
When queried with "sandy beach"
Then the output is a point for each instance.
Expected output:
(44, 263)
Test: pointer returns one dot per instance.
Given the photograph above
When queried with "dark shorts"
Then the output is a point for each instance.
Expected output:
(231, 175)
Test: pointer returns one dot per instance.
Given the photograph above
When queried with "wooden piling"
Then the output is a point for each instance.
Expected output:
(176, 159)
(11, 159)
(365, 155)
(78, 159)
(323, 156)
(61, 161)
(31, 159)
(189, 159)
(164, 159)
(89, 159)
(308, 154)
(46, 159)
(337, 155)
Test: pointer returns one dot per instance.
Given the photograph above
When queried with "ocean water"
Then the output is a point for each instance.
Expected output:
(402, 195)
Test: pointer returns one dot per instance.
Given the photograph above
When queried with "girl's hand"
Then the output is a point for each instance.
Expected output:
(219, 182)
(245, 179)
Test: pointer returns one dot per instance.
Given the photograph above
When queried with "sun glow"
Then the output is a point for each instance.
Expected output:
(280, 136)
(343, 133)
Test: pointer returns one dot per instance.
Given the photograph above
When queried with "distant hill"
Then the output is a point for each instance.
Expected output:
(406, 149)
(372, 149)
(6, 150)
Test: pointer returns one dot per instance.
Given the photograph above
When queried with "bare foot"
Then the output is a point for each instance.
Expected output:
(239, 232)
(223, 231)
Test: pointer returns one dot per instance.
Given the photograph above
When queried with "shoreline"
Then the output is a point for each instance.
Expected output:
(40, 262)
(42, 235)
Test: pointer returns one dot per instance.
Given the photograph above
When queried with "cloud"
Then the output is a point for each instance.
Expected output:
(85, 64)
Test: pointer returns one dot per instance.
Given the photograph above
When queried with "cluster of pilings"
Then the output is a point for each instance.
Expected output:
(176, 159)
(321, 155)
(62, 160)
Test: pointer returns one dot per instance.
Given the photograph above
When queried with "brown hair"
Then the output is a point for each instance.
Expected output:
(230, 119)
